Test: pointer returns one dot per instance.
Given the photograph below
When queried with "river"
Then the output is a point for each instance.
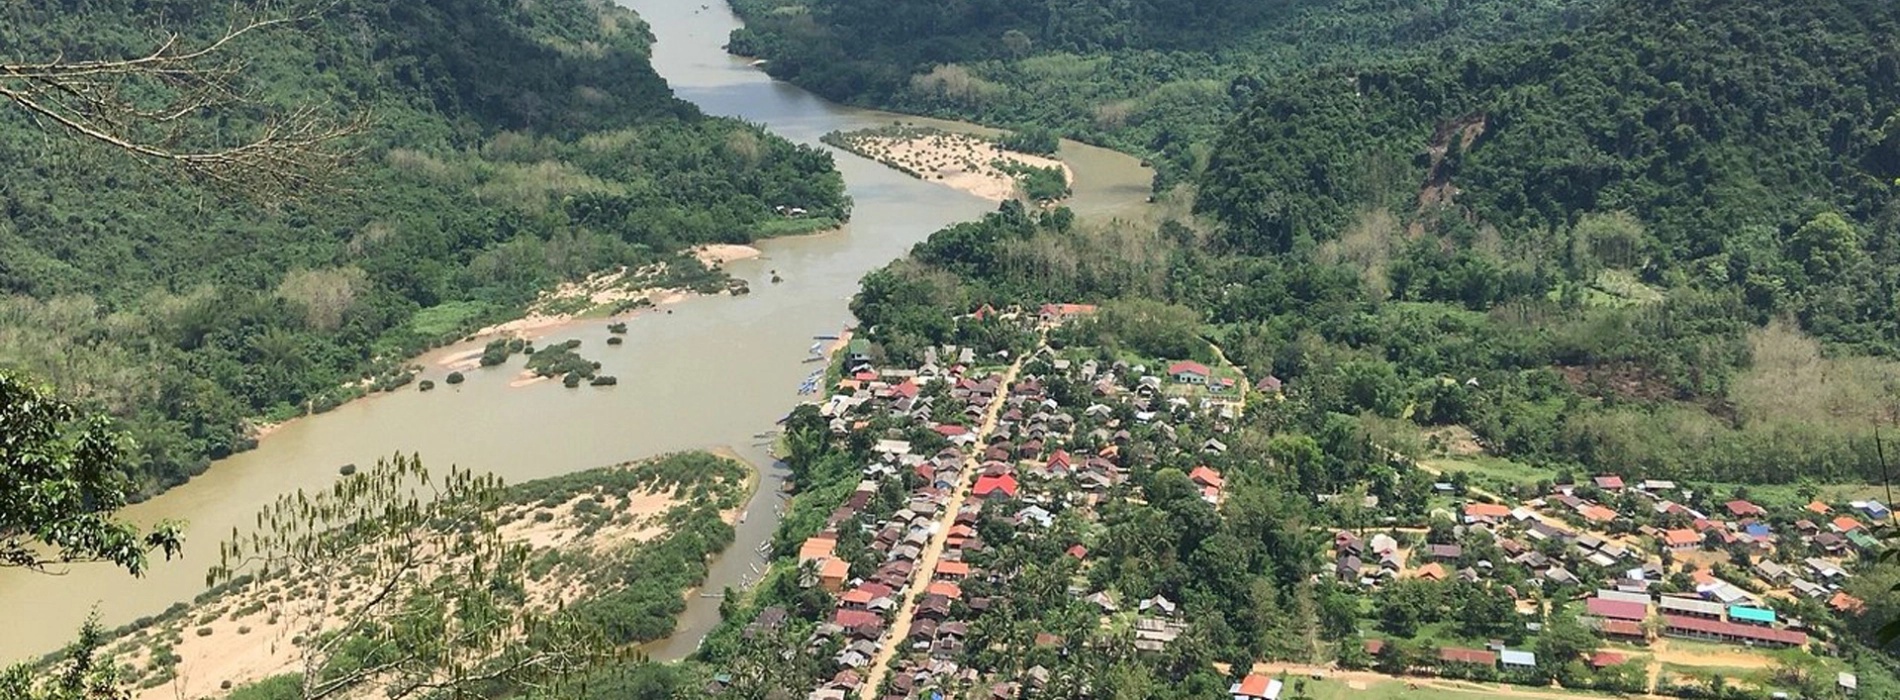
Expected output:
(713, 372)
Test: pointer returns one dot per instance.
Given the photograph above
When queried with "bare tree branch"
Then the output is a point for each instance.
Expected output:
(94, 100)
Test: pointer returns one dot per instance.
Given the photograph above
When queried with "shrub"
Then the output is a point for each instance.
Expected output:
(573, 379)
(561, 360)
(426, 385)
(616, 328)
(204, 631)
(616, 340)
(605, 381)
(495, 353)
(454, 378)
(1036, 140)
(346, 469)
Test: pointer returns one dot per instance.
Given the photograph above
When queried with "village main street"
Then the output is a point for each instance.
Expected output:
(927, 561)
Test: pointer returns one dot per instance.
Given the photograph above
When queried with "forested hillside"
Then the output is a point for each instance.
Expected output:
(1157, 78)
(1664, 246)
(509, 146)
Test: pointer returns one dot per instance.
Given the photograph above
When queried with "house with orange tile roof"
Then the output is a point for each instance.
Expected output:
(945, 589)
(816, 547)
(832, 573)
(1596, 513)
(1256, 687)
(1682, 540)
(1486, 512)
(1842, 602)
(1056, 313)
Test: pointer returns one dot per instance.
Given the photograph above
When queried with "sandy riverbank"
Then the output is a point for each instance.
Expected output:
(570, 301)
(251, 634)
(718, 254)
(959, 161)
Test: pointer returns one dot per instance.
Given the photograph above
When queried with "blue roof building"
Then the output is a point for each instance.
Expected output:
(1750, 615)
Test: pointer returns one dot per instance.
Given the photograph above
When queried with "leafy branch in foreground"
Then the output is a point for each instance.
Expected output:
(61, 478)
(153, 106)
(398, 582)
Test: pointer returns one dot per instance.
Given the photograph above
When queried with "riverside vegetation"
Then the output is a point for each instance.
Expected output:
(1156, 78)
(1679, 266)
(1674, 267)
(551, 575)
(510, 147)
(1661, 246)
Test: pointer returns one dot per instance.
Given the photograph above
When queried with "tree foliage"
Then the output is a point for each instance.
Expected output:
(1154, 77)
(61, 481)
(512, 146)
(433, 601)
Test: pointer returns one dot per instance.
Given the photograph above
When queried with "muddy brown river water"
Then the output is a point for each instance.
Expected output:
(713, 373)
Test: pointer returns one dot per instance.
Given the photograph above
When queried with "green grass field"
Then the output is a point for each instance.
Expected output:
(1490, 469)
(441, 320)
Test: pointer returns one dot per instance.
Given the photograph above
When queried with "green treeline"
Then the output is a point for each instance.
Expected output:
(511, 146)
(1665, 246)
(1158, 78)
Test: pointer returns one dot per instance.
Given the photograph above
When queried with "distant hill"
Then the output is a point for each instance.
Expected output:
(513, 145)
(1157, 78)
(1722, 127)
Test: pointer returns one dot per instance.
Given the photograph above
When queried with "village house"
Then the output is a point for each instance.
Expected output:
(1730, 632)
(1189, 372)
(1256, 687)
(1210, 482)
(1063, 313)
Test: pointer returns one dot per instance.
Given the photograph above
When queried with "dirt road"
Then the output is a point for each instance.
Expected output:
(927, 561)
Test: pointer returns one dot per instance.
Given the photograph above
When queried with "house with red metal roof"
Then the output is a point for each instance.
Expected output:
(1190, 372)
(1720, 631)
(1606, 659)
(1616, 609)
(996, 486)
(1210, 481)
(1476, 657)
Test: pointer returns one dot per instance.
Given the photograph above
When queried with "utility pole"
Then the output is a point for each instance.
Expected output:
(1881, 453)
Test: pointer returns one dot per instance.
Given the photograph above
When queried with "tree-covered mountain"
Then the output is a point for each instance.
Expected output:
(1156, 77)
(509, 146)
(1735, 134)
(1664, 246)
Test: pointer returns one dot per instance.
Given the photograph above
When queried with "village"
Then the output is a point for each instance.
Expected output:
(984, 460)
